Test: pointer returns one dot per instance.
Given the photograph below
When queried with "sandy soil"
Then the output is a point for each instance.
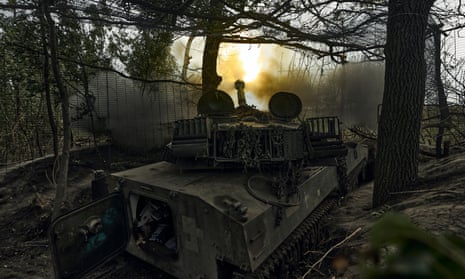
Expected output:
(437, 205)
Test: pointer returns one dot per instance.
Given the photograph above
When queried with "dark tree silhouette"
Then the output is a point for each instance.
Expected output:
(404, 92)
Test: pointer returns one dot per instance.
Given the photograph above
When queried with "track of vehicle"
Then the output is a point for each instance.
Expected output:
(289, 254)
(287, 257)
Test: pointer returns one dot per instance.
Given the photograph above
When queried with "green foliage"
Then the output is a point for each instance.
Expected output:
(23, 121)
(399, 249)
(84, 47)
(148, 56)
(83, 44)
(24, 129)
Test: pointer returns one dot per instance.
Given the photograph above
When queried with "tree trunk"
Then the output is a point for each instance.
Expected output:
(210, 78)
(62, 179)
(404, 91)
(48, 99)
(89, 102)
(444, 114)
(187, 58)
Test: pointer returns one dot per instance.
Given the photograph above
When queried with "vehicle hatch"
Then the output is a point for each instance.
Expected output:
(88, 236)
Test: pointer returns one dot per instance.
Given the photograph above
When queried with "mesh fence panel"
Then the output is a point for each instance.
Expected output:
(132, 116)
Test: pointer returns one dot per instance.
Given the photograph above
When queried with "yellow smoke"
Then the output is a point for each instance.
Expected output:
(267, 69)
(264, 69)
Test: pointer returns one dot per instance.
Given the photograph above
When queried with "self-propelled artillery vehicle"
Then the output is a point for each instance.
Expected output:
(240, 195)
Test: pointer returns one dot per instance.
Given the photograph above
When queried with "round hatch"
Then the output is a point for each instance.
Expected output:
(285, 105)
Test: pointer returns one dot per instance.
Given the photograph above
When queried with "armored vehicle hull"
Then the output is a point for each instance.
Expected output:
(194, 224)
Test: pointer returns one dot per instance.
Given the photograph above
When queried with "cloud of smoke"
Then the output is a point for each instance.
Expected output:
(351, 91)
(136, 116)
(272, 76)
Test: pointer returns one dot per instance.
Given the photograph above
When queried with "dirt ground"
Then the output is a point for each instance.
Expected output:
(436, 204)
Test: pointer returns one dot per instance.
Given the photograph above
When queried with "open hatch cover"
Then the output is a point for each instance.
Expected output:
(88, 236)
